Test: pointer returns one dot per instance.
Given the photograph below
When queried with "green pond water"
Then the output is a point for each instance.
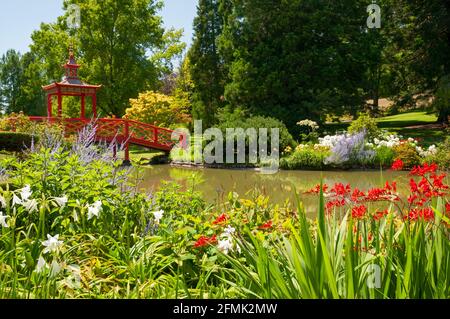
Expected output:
(215, 184)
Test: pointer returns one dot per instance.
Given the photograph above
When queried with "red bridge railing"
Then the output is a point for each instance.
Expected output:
(122, 130)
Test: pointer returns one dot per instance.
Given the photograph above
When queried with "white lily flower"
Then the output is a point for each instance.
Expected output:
(16, 200)
(229, 230)
(94, 209)
(3, 220)
(55, 268)
(41, 265)
(31, 205)
(61, 201)
(2, 201)
(25, 193)
(225, 245)
(158, 215)
(52, 244)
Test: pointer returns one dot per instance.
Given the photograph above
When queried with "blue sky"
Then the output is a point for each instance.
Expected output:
(18, 19)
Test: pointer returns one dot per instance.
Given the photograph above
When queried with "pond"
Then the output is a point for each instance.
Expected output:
(215, 184)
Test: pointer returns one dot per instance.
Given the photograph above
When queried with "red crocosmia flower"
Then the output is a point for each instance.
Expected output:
(447, 208)
(413, 186)
(267, 225)
(204, 241)
(423, 170)
(358, 212)
(424, 213)
(316, 189)
(380, 214)
(221, 219)
(375, 194)
(340, 189)
(357, 194)
(437, 181)
(397, 165)
(412, 198)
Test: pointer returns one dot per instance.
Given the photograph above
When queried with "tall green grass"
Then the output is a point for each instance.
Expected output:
(326, 259)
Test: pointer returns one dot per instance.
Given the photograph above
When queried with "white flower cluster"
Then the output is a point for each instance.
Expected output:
(313, 125)
(331, 141)
(432, 150)
(226, 242)
(388, 141)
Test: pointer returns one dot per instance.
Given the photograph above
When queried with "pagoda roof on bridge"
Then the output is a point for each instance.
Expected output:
(71, 80)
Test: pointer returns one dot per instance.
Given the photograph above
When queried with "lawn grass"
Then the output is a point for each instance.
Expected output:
(402, 125)
(407, 119)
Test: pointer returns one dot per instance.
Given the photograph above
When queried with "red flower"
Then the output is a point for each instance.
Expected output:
(340, 189)
(447, 208)
(437, 181)
(204, 241)
(358, 212)
(316, 189)
(267, 225)
(423, 170)
(423, 213)
(378, 215)
(397, 165)
(357, 194)
(413, 186)
(221, 219)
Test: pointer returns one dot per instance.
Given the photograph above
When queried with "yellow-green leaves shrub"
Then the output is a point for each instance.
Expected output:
(158, 109)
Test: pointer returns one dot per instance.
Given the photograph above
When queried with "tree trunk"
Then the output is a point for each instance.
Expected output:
(444, 114)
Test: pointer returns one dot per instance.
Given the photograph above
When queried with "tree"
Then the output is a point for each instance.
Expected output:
(120, 44)
(295, 59)
(157, 109)
(11, 71)
(207, 69)
(20, 84)
(419, 47)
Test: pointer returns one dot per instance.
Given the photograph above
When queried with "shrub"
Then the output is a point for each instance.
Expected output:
(305, 158)
(384, 156)
(407, 154)
(15, 141)
(158, 109)
(367, 123)
(442, 157)
(16, 122)
(237, 119)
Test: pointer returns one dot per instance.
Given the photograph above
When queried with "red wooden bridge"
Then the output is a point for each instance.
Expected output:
(107, 129)
(122, 131)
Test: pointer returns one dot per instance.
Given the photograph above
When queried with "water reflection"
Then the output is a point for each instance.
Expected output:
(215, 184)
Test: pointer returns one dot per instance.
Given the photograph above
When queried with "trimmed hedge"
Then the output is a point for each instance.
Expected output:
(15, 142)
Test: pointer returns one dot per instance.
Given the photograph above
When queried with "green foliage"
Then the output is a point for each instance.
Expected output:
(442, 157)
(305, 158)
(15, 142)
(367, 123)
(20, 90)
(207, 67)
(384, 156)
(408, 154)
(278, 57)
(238, 119)
(341, 260)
